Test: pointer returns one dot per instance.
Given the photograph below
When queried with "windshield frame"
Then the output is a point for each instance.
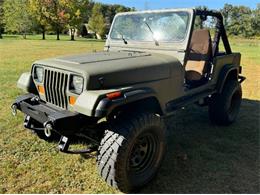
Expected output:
(189, 22)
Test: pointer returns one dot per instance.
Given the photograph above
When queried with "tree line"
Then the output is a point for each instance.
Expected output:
(57, 16)
(241, 20)
(238, 20)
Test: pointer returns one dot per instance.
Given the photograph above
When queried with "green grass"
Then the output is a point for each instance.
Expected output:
(249, 49)
(202, 158)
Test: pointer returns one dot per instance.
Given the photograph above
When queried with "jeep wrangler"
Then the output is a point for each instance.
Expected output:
(153, 63)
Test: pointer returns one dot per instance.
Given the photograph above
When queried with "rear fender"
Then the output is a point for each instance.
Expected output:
(229, 72)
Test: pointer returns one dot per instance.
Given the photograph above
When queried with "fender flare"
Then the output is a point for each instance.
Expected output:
(106, 106)
(25, 82)
(225, 72)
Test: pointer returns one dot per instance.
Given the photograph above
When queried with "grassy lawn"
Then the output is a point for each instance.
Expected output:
(202, 158)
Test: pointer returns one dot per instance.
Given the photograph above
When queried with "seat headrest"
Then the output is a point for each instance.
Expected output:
(200, 41)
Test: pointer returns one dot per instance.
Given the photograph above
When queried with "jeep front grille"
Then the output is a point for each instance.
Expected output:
(55, 84)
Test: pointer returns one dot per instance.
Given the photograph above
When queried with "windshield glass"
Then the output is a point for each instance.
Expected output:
(161, 27)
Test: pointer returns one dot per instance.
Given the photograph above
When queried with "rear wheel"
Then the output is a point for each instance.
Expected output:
(131, 151)
(224, 107)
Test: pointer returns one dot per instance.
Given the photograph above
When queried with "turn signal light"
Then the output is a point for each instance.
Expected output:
(114, 95)
(41, 89)
(72, 100)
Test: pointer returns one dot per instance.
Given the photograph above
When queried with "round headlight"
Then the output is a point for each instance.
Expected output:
(77, 84)
(38, 74)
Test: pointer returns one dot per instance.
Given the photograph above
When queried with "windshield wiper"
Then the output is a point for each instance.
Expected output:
(125, 41)
(155, 40)
(122, 37)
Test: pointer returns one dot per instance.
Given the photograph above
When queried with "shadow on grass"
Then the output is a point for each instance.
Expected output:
(204, 158)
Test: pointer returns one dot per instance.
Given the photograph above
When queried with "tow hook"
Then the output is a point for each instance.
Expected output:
(47, 129)
(14, 109)
(64, 147)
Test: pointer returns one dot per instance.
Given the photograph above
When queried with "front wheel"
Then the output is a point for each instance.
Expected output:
(131, 151)
(224, 107)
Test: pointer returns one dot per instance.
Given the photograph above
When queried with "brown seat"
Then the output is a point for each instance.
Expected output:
(200, 52)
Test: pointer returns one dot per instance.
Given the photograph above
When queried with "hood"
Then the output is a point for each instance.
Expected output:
(111, 69)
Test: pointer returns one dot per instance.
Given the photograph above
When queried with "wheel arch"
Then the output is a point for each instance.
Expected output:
(228, 72)
(148, 104)
(136, 100)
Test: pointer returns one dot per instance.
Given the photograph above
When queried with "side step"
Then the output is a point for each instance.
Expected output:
(183, 101)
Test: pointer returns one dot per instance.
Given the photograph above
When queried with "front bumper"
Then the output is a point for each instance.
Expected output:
(61, 121)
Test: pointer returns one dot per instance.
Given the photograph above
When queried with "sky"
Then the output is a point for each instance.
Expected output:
(160, 4)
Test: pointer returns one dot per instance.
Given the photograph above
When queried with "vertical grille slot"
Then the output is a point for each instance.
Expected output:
(55, 84)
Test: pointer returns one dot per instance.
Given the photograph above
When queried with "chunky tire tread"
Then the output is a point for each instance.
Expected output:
(220, 103)
(111, 157)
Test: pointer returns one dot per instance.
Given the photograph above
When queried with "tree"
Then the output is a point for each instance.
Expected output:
(74, 14)
(55, 15)
(1, 19)
(240, 20)
(109, 11)
(256, 20)
(226, 11)
(17, 17)
(97, 21)
(38, 12)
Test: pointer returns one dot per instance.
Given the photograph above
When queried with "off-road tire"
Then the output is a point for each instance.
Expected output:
(140, 136)
(224, 107)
